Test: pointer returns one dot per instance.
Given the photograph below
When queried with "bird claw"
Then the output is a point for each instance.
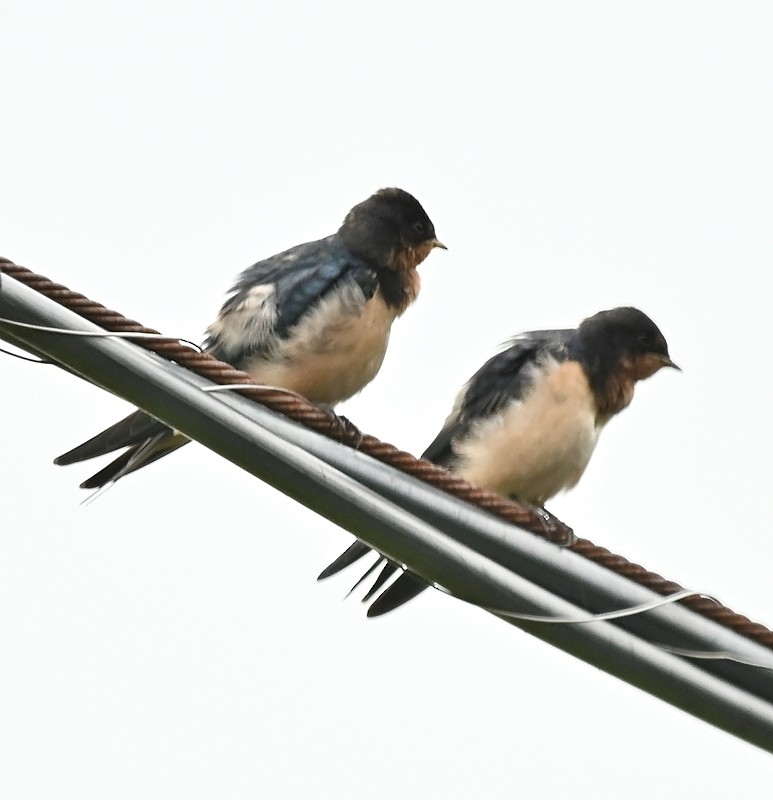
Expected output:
(555, 530)
(345, 430)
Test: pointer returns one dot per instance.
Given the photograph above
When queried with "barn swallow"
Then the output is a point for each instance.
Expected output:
(314, 319)
(526, 423)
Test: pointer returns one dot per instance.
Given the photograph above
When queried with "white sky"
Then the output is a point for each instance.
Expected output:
(170, 640)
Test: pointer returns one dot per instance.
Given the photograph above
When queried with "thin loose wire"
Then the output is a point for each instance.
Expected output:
(631, 611)
(31, 359)
(102, 334)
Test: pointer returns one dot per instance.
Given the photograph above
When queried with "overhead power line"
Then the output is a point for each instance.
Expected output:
(446, 540)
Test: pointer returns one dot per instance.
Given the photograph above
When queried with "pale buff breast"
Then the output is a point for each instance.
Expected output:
(334, 352)
(540, 445)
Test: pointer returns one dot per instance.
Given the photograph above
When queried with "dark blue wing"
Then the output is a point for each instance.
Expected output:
(503, 378)
(295, 281)
(300, 288)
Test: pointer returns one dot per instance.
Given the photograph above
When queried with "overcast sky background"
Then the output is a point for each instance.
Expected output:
(170, 640)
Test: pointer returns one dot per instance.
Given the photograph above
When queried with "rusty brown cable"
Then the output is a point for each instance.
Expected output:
(323, 421)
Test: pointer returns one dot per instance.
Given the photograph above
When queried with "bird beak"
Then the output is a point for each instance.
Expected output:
(667, 362)
(438, 243)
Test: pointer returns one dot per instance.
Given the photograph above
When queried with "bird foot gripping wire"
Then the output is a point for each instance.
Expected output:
(344, 430)
(555, 531)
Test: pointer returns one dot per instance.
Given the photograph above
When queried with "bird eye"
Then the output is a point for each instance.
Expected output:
(418, 226)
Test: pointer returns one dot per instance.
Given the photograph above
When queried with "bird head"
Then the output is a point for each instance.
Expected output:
(390, 229)
(617, 348)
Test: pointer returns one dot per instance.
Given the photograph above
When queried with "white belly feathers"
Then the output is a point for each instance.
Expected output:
(334, 351)
(539, 445)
